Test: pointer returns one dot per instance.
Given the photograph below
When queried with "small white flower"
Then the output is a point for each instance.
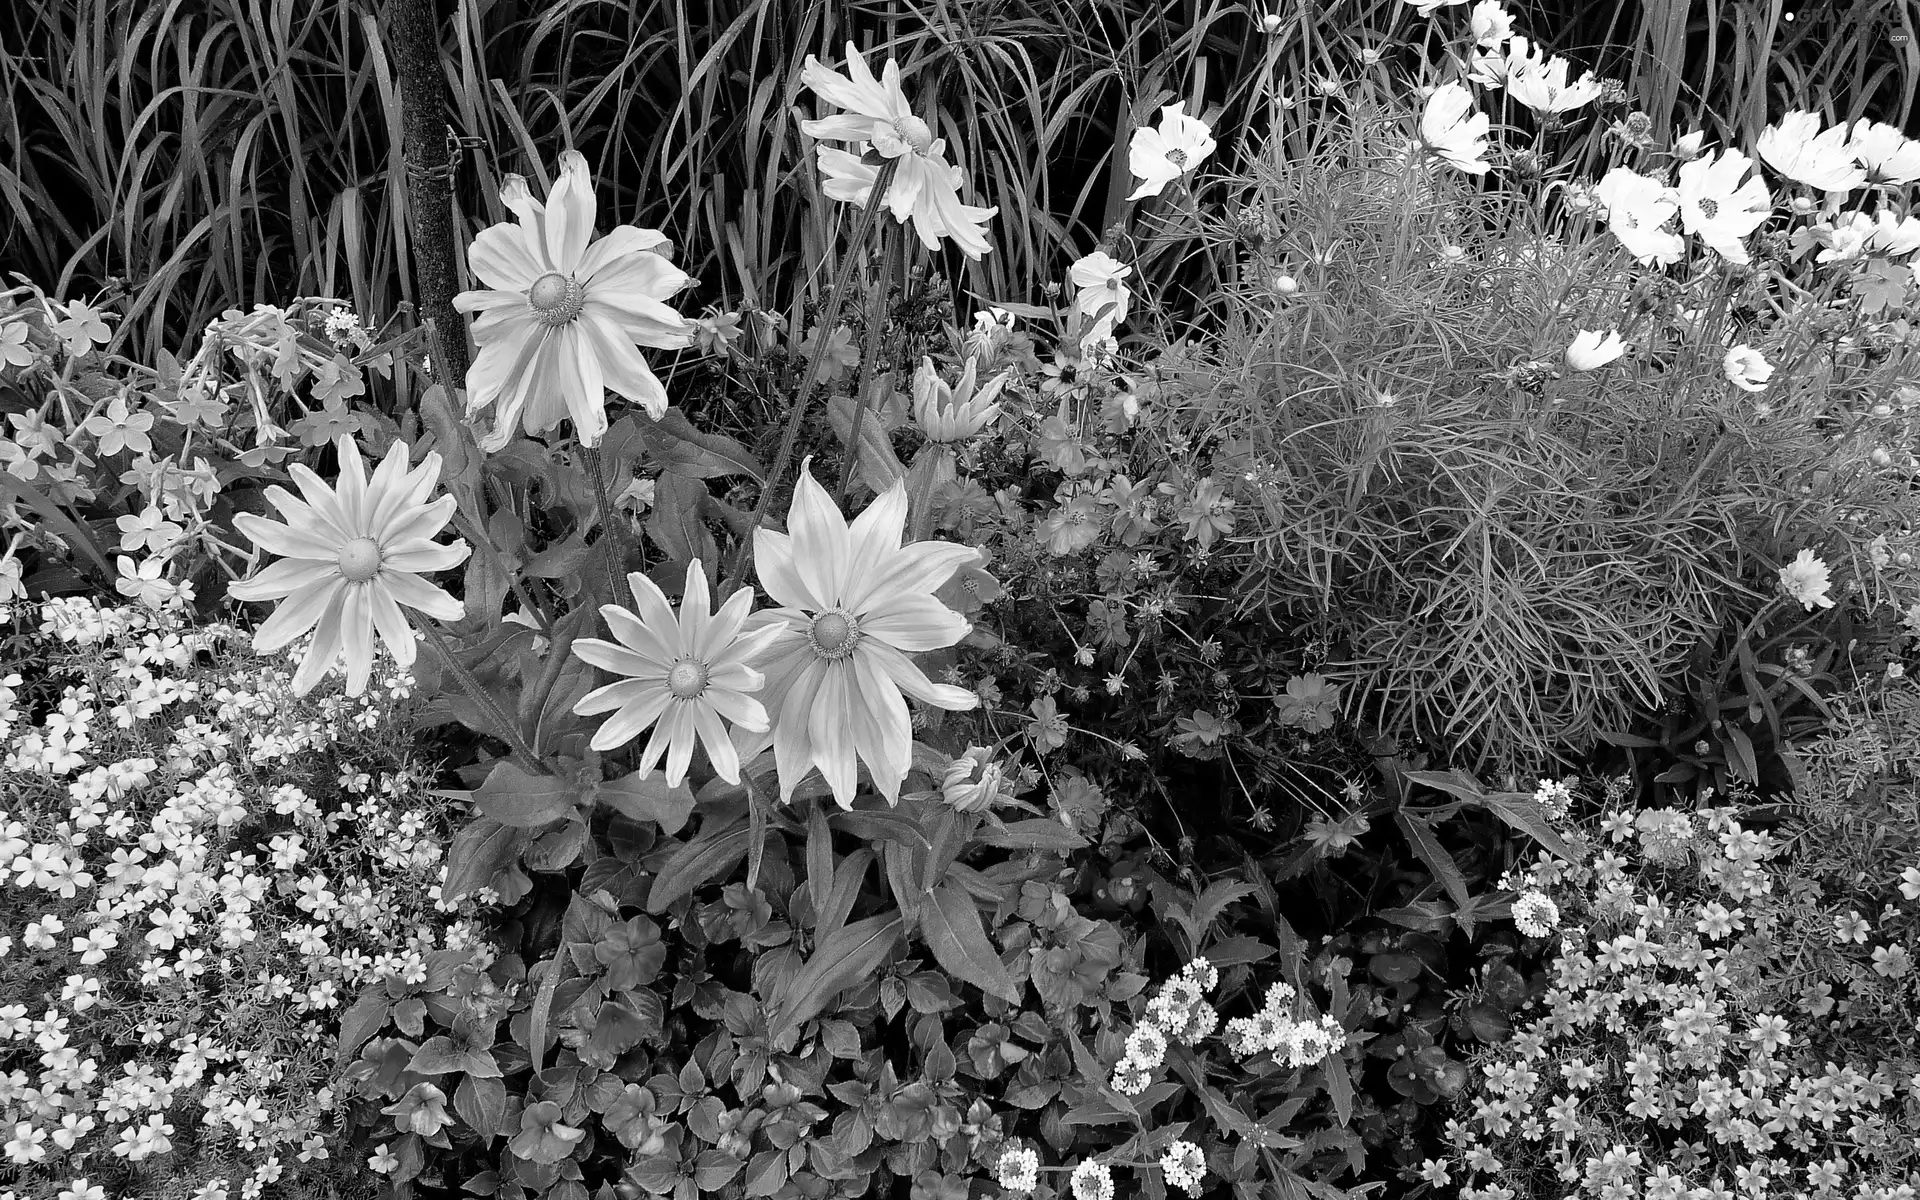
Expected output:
(1910, 883)
(1805, 579)
(1453, 131)
(1157, 157)
(1185, 1166)
(1746, 368)
(1427, 8)
(1592, 349)
(1797, 147)
(1491, 24)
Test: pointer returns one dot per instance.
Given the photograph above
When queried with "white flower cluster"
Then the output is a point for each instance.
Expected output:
(1535, 915)
(1185, 1167)
(1178, 1012)
(1019, 1169)
(1301, 1042)
(1092, 1180)
(195, 921)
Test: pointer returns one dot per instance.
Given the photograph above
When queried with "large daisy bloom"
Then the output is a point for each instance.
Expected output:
(351, 556)
(1798, 148)
(925, 187)
(1806, 580)
(1157, 157)
(685, 675)
(1717, 208)
(559, 324)
(1453, 131)
(854, 604)
(1638, 209)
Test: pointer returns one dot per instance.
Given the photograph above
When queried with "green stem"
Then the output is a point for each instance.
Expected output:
(869, 354)
(609, 538)
(504, 727)
(474, 535)
(790, 436)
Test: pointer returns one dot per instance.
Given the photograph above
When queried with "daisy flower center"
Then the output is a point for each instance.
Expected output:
(555, 298)
(1178, 158)
(834, 635)
(1709, 208)
(914, 132)
(688, 679)
(360, 560)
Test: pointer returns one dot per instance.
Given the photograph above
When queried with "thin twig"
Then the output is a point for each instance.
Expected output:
(869, 354)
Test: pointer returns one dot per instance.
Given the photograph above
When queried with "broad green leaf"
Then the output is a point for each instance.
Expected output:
(706, 859)
(854, 953)
(648, 798)
(513, 797)
(1432, 853)
(950, 924)
(486, 854)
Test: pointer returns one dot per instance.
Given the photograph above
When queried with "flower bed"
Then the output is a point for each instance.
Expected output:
(846, 751)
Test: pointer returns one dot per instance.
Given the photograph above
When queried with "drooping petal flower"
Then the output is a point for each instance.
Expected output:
(561, 314)
(1798, 148)
(855, 602)
(1453, 132)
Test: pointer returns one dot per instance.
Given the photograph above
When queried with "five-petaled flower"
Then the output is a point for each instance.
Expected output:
(1157, 157)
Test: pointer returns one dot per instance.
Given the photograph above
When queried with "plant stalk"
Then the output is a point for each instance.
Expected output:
(609, 537)
(869, 353)
(790, 436)
(504, 727)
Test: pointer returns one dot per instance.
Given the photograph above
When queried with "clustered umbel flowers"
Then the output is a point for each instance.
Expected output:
(1300, 1040)
(1178, 1012)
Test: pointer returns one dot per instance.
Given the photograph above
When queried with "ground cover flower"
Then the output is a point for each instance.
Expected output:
(1798, 148)
(685, 675)
(351, 557)
(1638, 209)
(1453, 131)
(1719, 209)
(1157, 157)
(562, 315)
(854, 604)
(1806, 580)
(925, 189)
(1746, 368)
(1592, 349)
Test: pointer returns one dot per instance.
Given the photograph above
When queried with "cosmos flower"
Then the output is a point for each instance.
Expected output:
(1591, 349)
(1427, 8)
(926, 189)
(1638, 209)
(562, 314)
(1717, 208)
(1888, 155)
(1544, 87)
(1103, 294)
(1157, 157)
(1796, 147)
(1746, 368)
(1491, 24)
(685, 675)
(1452, 131)
(1806, 580)
(854, 604)
(351, 556)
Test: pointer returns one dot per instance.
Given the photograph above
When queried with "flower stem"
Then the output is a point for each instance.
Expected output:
(609, 538)
(869, 355)
(504, 727)
(790, 436)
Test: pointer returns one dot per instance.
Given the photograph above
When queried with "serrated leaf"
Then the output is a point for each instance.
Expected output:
(1429, 850)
